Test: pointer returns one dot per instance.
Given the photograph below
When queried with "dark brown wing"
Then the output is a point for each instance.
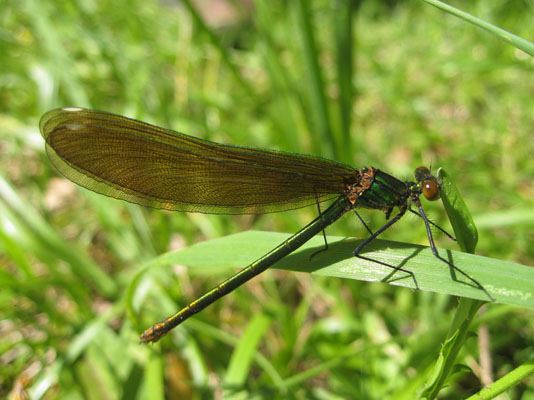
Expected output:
(144, 164)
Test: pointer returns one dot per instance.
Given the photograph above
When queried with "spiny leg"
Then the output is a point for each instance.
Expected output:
(436, 254)
(373, 237)
(434, 225)
(325, 248)
(363, 222)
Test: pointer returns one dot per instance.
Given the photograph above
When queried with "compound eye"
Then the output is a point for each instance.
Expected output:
(430, 190)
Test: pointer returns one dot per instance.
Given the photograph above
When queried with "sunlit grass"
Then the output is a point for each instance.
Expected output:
(428, 88)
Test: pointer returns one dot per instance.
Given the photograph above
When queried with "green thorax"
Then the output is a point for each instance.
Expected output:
(385, 193)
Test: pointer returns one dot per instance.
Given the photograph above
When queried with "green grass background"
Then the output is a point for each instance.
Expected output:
(394, 85)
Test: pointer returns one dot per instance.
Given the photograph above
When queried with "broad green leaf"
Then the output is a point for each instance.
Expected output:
(509, 283)
(459, 216)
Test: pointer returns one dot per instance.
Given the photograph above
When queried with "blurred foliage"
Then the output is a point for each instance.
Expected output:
(391, 84)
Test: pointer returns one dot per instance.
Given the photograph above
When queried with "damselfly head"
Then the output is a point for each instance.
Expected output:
(427, 183)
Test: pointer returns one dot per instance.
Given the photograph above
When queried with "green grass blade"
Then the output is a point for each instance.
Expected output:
(467, 238)
(516, 41)
(506, 218)
(508, 282)
(61, 63)
(454, 342)
(155, 377)
(50, 243)
(344, 16)
(459, 216)
(284, 110)
(320, 119)
(243, 355)
(218, 45)
(506, 382)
